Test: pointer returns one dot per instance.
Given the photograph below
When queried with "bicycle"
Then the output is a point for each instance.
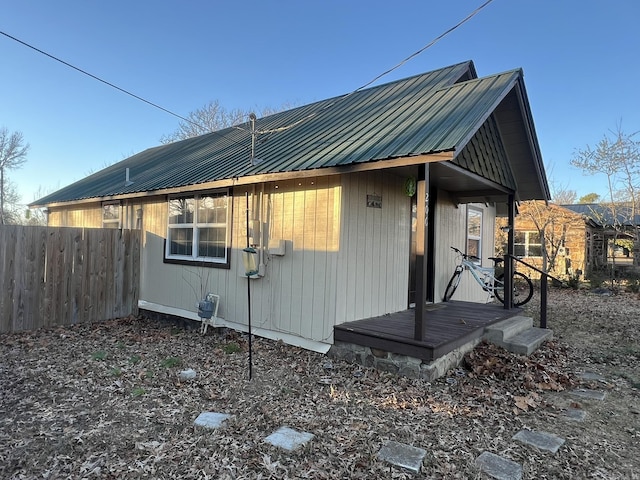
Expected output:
(485, 276)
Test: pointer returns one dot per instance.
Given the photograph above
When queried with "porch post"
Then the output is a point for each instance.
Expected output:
(422, 241)
(508, 261)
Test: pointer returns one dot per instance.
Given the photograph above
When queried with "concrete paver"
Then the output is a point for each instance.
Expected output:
(211, 419)
(402, 455)
(499, 467)
(288, 438)
(541, 440)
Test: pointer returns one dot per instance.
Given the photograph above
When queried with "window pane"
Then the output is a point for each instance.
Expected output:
(534, 237)
(180, 241)
(519, 237)
(181, 210)
(211, 242)
(212, 209)
(535, 250)
(111, 211)
(473, 247)
(518, 250)
(474, 223)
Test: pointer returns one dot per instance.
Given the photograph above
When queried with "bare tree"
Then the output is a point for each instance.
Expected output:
(563, 196)
(13, 154)
(617, 156)
(211, 118)
(553, 224)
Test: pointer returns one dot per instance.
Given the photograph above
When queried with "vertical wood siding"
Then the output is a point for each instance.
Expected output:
(61, 276)
(373, 263)
(343, 261)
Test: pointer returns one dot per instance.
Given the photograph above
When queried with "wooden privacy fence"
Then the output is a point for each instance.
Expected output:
(63, 276)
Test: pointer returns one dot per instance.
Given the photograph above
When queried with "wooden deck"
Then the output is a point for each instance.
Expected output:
(450, 325)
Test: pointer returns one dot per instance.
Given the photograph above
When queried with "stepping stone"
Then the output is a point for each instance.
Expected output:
(211, 419)
(575, 414)
(187, 375)
(288, 438)
(498, 467)
(588, 394)
(592, 377)
(541, 440)
(402, 455)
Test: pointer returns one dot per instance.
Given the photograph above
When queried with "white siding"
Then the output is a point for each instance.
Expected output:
(450, 227)
(373, 265)
(297, 294)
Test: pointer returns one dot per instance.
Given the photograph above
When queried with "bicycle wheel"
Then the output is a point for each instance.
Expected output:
(522, 289)
(452, 285)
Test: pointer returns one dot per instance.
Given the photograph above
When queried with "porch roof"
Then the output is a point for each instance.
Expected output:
(427, 117)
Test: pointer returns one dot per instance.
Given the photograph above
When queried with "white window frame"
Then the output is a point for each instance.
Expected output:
(528, 244)
(111, 222)
(472, 236)
(196, 225)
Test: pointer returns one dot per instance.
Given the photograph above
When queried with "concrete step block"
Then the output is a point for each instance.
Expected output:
(528, 341)
(499, 467)
(542, 440)
(499, 332)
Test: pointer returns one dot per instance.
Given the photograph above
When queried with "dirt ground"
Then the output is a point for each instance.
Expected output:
(105, 401)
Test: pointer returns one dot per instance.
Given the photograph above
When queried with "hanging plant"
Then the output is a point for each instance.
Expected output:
(410, 186)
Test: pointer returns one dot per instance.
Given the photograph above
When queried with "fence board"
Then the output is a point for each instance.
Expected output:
(60, 276)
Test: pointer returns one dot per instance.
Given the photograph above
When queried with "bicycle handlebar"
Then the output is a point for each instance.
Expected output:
(464, 255)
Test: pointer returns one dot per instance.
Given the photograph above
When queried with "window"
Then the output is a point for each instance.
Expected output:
(527, 244)
(110, 215)
(197, 228)
(474, 232)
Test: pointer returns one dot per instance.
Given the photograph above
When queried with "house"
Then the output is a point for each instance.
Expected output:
(574, 240)
(351, 204)
(610, 235)
(549, 237)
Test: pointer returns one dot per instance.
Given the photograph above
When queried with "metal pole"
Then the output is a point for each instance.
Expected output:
(543, 301)
(248, 291)
(508, 258)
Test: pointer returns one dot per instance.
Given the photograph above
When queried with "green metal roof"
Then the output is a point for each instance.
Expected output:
(433, 112)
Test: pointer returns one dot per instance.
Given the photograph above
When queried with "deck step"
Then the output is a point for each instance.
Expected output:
(529, 341)
(499, 332)
(518, 335)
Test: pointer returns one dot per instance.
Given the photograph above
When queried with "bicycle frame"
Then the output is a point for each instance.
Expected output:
(484, 276)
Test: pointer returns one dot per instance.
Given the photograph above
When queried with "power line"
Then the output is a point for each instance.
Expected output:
(137, 97)
(378, 77)
(270, 131)
(428, 45)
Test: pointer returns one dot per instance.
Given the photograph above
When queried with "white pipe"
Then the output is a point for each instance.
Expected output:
(260, 219)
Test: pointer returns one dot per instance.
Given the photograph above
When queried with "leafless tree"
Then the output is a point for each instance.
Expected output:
(211, 118)
(13, 154)
(561, 196)
(617, 156)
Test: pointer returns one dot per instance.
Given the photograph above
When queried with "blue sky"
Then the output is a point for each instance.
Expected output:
(580, 60)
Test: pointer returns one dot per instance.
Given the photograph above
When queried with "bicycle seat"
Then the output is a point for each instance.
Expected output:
(496, 260)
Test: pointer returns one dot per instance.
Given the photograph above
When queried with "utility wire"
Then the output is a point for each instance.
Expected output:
(415, 54)
(430, 44)
(99, 79)
(270, 131)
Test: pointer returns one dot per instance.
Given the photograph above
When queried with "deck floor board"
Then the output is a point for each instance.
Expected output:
(449, 325)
